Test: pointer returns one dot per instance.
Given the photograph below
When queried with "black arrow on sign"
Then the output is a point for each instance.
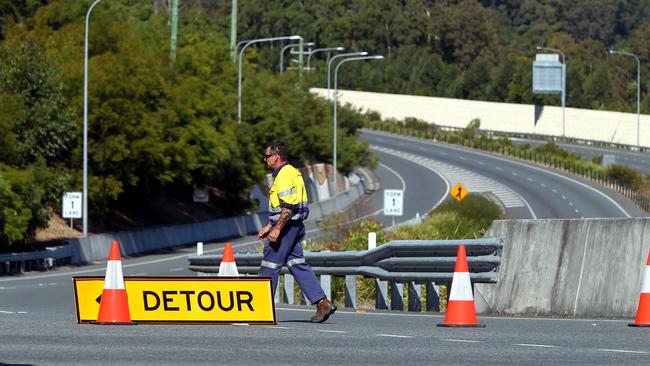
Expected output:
(99, 299)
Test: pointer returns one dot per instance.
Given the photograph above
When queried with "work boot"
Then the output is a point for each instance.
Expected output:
(324, 309)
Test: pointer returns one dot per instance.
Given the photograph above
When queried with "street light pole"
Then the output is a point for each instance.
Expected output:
(329, 65)
(284, 49)
(239, 70)
(321, 50)
(563, 81)
(336, 70)
(85, 127)
(638, 92)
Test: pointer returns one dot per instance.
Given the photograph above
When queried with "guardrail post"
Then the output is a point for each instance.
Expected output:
(433, 297)
(326, 284)
(396, 296)
(414, 291)
(350, 291)
(381, 292)
(276, 296)
(288, 289)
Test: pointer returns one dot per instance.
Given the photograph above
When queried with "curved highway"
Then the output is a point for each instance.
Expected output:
(526, 190)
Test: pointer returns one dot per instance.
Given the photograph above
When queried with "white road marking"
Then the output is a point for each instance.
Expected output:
(393, 336)
(7, 288)
(404, 184)
(22, 312)
(6, 312)
(176, 269)
(47, 284)
(525, 165)
(530, 179)
(331, 331)
(498, 168)
(622, 351)
(554, 190)
(430, 316)
(481, 163)
(535, 345)
(570, 203)
(140, 274)
(543, 185)
(459, 340)
(577, 211)
(563, 197)
(280, 327)
(396, 173)
(472, 181)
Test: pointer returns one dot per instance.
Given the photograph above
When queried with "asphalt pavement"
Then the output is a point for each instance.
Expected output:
(38, 319)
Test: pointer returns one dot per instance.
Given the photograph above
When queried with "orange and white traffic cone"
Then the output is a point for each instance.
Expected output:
(228, 268)
(460, 306)
(114, 305)
(643, 312)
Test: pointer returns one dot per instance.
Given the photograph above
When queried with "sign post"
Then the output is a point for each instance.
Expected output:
(393, 203)
(71, 206)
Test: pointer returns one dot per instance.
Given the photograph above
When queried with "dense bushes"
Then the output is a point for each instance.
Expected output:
(155, 129)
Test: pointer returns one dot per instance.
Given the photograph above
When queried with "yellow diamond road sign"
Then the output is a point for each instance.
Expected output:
(458, 192)
(220, 300)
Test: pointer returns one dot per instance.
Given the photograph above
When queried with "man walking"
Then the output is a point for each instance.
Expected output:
(287, 210)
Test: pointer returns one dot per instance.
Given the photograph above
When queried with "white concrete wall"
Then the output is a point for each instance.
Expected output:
(584, 124)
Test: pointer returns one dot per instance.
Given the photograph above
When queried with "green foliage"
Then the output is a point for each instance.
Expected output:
(154, 130)
(469, 218)
(42, 126)
(22, 193)
(552, 149)
(472, 49)
(625, 175)
(471, 129)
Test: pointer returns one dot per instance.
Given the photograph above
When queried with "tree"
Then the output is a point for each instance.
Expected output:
(45, 125)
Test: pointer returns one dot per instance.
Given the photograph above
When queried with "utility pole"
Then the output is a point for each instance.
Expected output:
(233, 30)
(172, 47)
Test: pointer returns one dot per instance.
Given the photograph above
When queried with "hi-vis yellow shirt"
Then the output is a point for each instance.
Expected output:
(288, 190)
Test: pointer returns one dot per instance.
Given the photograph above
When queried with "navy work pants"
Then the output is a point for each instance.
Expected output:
(288, 250)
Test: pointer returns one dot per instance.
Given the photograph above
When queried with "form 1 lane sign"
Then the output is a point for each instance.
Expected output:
(393, 202)
(219, 300)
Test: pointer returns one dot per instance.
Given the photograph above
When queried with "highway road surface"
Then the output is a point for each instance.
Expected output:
(38, 321)
(527, 191)
(634, 159)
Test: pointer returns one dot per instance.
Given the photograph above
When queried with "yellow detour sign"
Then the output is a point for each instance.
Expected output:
(219, 300)
(458, 192)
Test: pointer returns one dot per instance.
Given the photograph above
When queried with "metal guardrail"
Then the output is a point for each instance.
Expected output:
(37, 260)
(414, 262)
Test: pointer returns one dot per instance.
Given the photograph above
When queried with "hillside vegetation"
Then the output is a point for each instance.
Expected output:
(158, 128)
(155, 129)
(469, 49)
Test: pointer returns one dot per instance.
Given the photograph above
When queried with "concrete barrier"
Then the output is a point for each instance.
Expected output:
(577, 267)
(140, 241)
